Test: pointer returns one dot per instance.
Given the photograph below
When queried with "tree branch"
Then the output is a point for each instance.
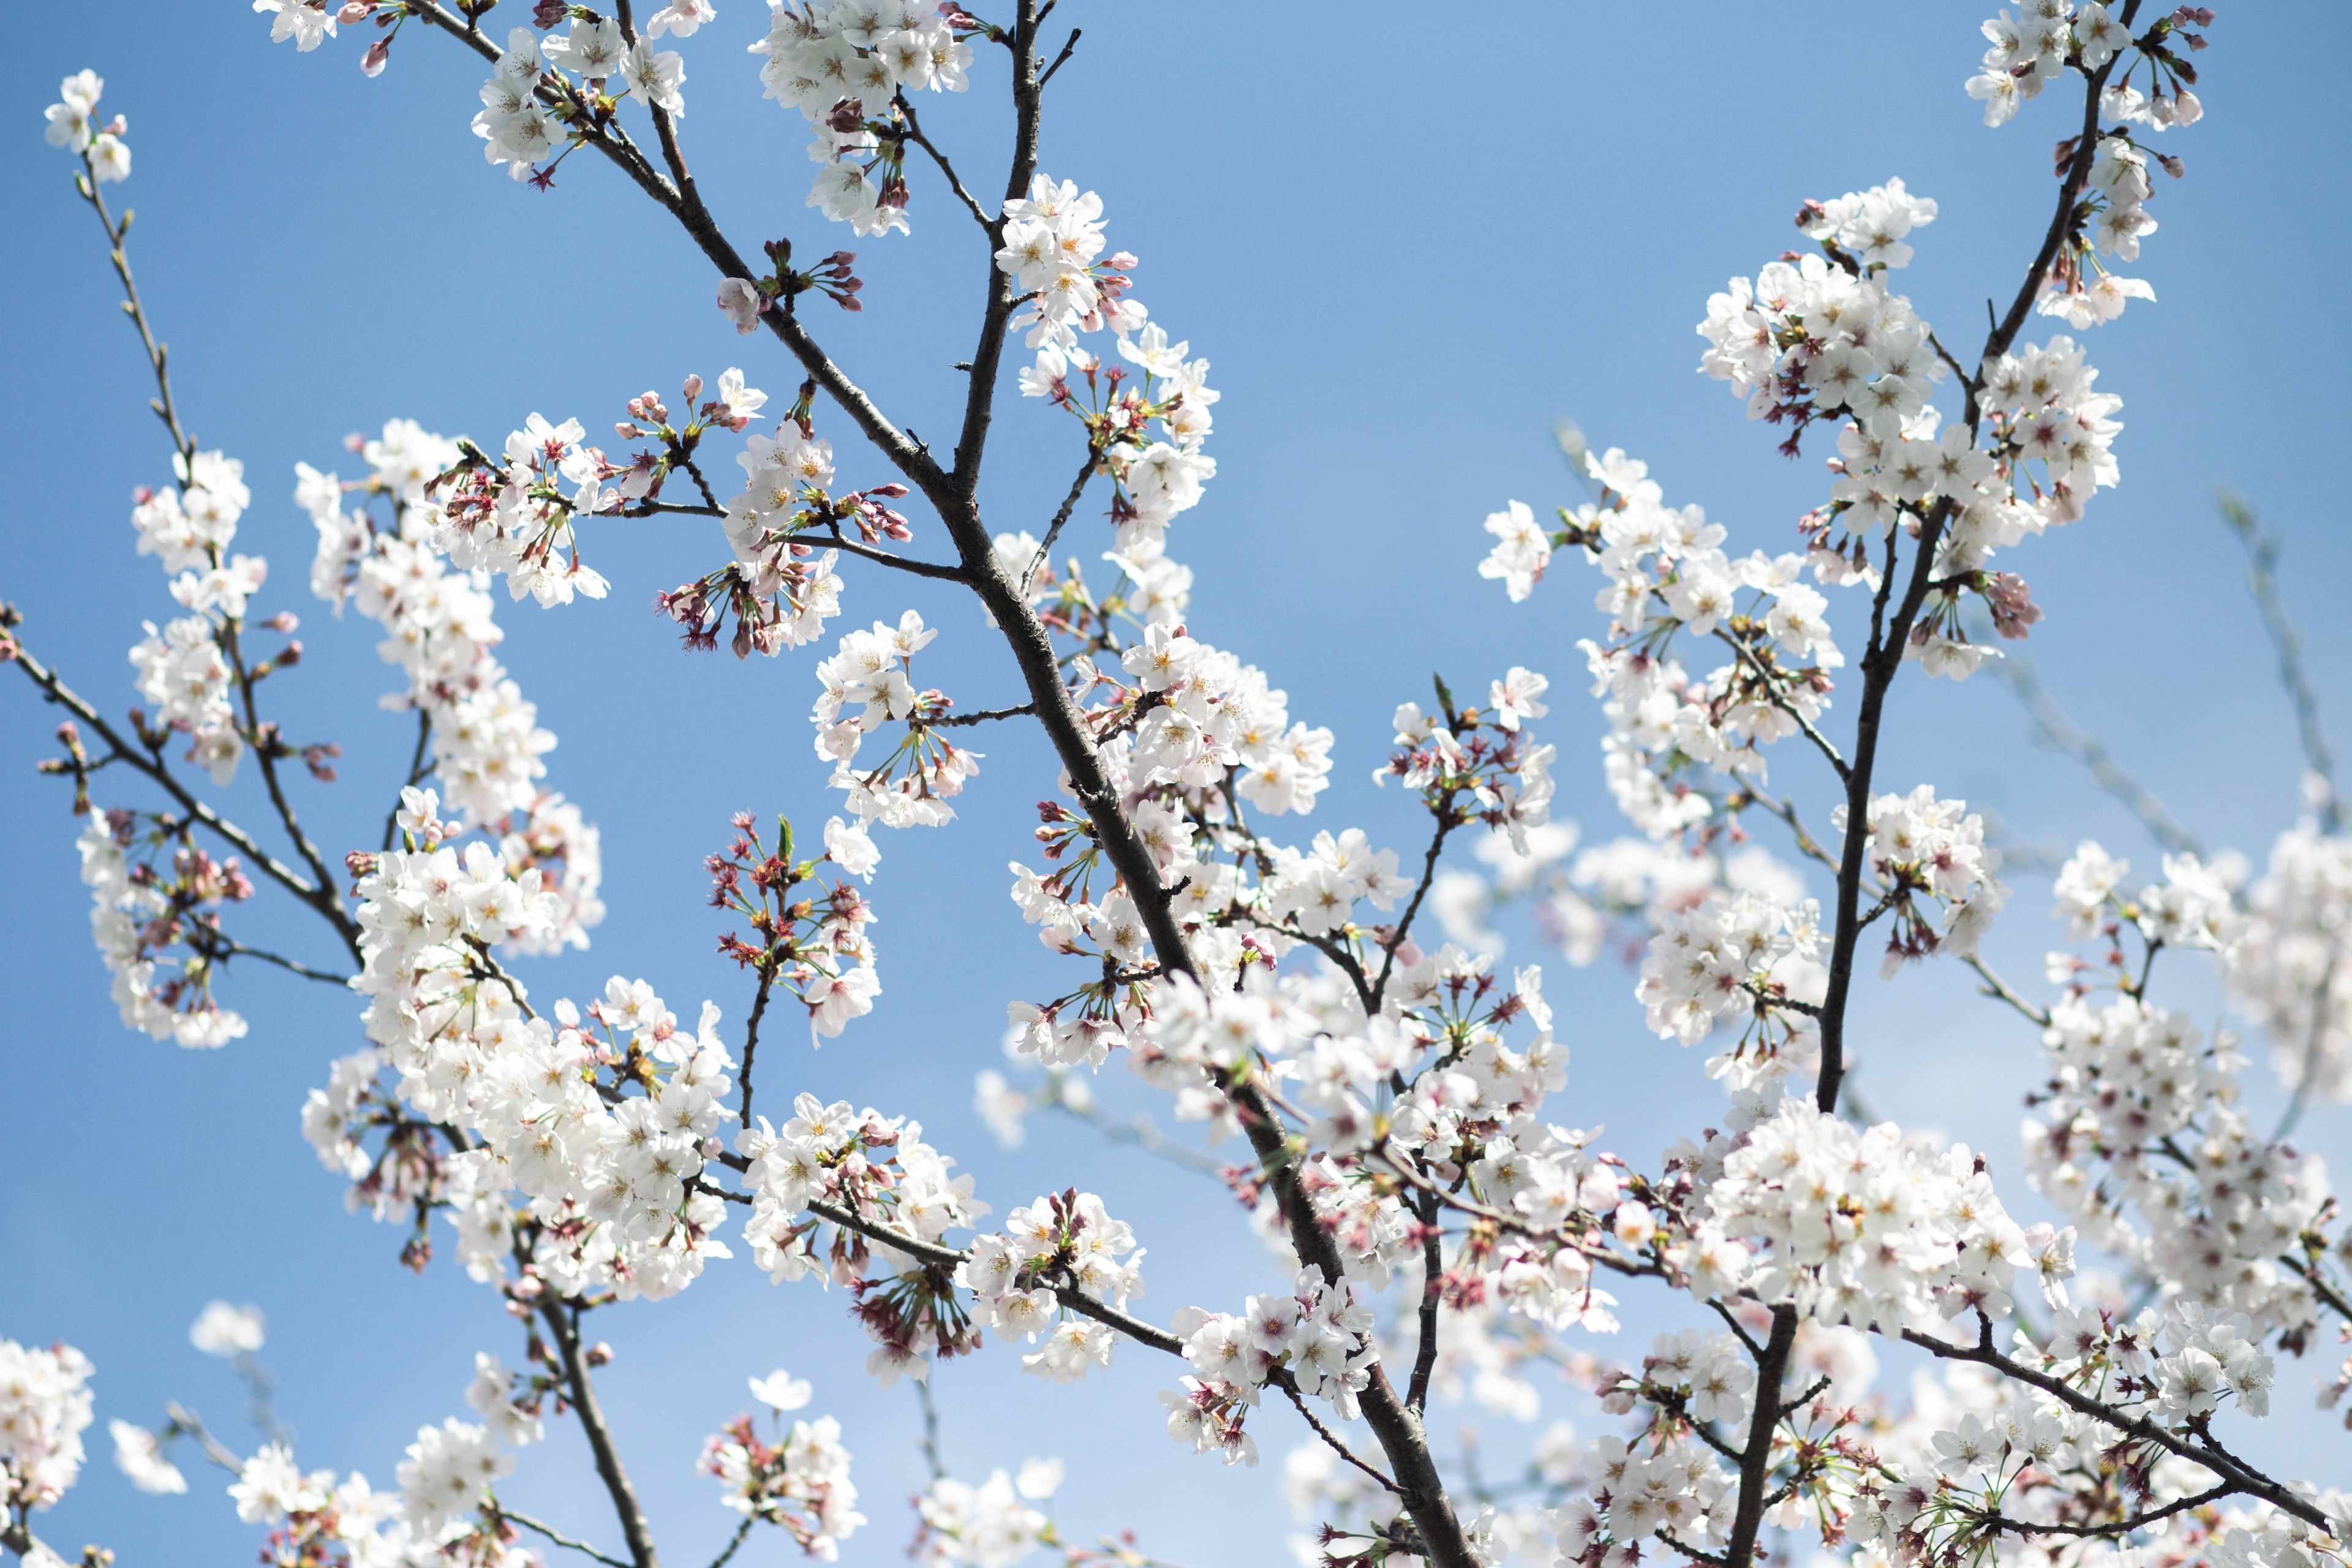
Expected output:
(735, 1541)
(1756, 1455)
(971, 206)
(1290, 1385)
(2055, 727)
(897, 563)
(1771, 685)
(2241, 1477)
(2261, 582)
(1997, 1524)
(980, 716)
(1069, 503)
(418, 768)
(1433, 1298)
(562, 1323)
(150, 764)
(557, 1536)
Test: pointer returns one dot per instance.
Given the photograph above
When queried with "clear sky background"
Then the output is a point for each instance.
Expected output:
(1408, 245)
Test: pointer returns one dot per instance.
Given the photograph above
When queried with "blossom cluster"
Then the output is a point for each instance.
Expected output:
(1864, 1226)
(878, 1168)
(530, 108)
(1919, 844)
(182, 668)
(1052, 252)
(865, 683)
(844, 65)
(2292, 964)
(45, 1407)
(991, 1525)
(140, 913)
(1316, 1336)
(2034, 48)
(441, 630)
(1745, 956)
(799, 1482)
(609, 1179)
(1668, 574)
(812, 935)
(445, 1509)
(73, 124)
(2142, 1137)
(1062, 1241)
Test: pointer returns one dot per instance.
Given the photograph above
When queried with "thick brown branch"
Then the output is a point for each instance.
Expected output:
(1756, 1455)
(562, 1323)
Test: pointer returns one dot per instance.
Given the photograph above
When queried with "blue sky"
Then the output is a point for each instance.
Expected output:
(1407, 251)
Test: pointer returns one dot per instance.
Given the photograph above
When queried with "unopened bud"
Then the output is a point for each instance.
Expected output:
(372, 63)
(354, 12)
(599, 1353)
(693, 387)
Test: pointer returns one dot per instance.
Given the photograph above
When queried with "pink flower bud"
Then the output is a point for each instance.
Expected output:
(372, 63)
(693, 387)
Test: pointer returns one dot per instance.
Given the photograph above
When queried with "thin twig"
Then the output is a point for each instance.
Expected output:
(2241, 1477)
(751, 1038)
(971, 206)
(419, 767)
(2055, 728)
(1072, 43)
(1140, 1133)
(734, 1541)
(980, 716)
(930, 1427)
(2262, 581)
(1069, 502)
(1283, 1380)
(151, 762)
(1995, 987)
(1446, 824)
(1432, 1300)
(898, 563)
(1786, 811)
(1771, 685)
(2321, 1288)
(229, 944)
(1997, 1522)
(265, 744)
(557, 1536)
